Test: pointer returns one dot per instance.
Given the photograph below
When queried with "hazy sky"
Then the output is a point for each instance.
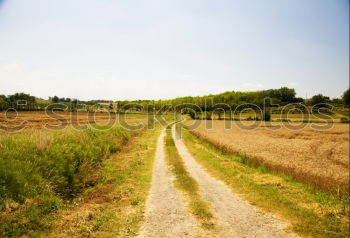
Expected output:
(114, 49)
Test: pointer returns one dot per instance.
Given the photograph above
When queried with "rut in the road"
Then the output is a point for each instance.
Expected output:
(243, 219)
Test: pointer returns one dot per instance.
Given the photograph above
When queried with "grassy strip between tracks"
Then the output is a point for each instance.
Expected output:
(183, 180)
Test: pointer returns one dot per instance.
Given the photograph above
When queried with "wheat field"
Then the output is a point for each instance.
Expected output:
(319, 158)
(42, 120)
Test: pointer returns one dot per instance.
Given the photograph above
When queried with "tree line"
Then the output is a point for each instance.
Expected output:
(231, 99)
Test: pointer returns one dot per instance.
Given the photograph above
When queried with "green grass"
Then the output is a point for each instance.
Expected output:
(199, 208)
(116, 206)
(311, 212)
(42, 171)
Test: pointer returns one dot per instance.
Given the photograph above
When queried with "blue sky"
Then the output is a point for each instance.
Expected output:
(155, 49)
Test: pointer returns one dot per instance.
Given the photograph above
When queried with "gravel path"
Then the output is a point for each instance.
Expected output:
(166, 214)
(243, 219)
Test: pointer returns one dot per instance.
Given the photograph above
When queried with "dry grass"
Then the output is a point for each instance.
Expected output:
(317, 158)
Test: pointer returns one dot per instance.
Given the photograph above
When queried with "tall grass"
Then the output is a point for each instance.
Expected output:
(41, 170)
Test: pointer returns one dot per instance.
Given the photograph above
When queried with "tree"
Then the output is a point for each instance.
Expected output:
(22, 101)
(337, 101)
(346, 97)
(319, 98)
(3, 102)
(319, 101)
(286, 94)
(21, 96)
(266, 116)
(55, 99)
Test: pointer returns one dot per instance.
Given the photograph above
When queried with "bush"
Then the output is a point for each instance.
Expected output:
(252, 118)
(207, 116)
(192, 114)
(344, 120)
(346, 98)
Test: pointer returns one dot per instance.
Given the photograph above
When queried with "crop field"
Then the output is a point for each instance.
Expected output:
(319, 158)
(40, 119)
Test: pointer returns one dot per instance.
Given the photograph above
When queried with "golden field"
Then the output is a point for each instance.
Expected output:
(41, 120)
(319, 158)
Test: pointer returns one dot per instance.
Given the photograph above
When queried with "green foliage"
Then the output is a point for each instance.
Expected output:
(3, 103)
(344, 120)
(55, 99)
(46, 169)
(233, 99)
(266, 116)
(19, 173)
(207, 116)
(19, 101)
(250, 118)
(346, 97)
(192, 114)
(319, 99)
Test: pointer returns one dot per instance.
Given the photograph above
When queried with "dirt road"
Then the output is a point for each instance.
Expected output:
(167, 216)
(243, 219)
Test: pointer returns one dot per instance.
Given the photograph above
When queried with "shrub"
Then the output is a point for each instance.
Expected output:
(344, 120)
(207, 116)
(192, 114)
(252, 118)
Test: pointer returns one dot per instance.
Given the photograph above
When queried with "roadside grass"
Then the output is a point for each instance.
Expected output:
(312, 213)
(40, 172)
(115, 206)
(199, 208)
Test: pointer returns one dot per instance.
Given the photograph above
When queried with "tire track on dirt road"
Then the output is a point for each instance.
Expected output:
(243, 219)
(166, 214)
